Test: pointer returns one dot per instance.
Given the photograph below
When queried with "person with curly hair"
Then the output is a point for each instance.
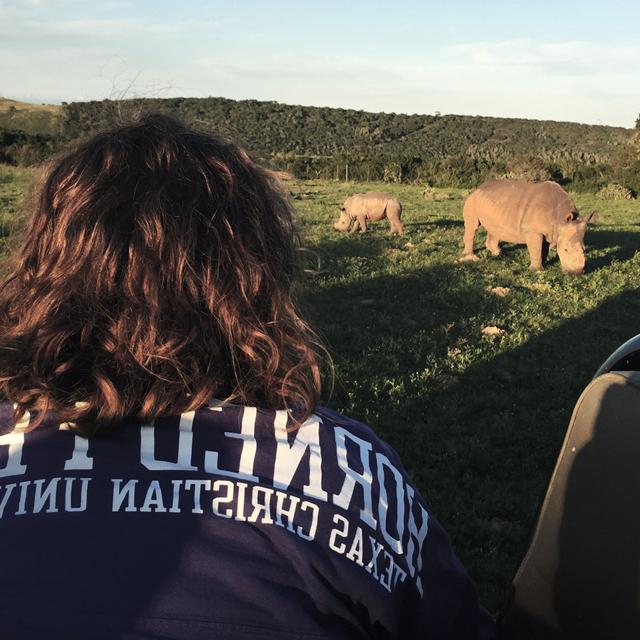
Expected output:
(166, 467)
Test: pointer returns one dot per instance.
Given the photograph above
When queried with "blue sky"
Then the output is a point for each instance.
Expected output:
(577, 61)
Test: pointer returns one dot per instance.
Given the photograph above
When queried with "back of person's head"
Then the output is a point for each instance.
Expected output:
(157, 273)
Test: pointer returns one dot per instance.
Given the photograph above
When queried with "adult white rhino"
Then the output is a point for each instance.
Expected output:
(539, 215)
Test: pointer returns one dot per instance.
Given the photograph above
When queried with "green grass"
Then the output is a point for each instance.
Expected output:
(478, 420)
(14, 185)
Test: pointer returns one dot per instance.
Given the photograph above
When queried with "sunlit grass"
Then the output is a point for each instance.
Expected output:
(477, 419)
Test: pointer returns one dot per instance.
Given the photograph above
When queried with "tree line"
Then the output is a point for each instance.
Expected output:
(318, 142)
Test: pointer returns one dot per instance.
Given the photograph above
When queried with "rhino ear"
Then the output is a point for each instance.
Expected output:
(569, 217)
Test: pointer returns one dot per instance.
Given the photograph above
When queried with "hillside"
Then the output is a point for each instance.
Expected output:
(27, 117)
(321, 142)
(268, 128)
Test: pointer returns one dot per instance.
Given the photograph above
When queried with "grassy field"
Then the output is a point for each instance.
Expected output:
(14, 185)
(477, 419)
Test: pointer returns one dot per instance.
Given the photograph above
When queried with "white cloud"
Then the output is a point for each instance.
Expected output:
(571, 56)
(31, 23)
(307, 68)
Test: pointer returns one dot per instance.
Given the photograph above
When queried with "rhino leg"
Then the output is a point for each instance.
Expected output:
(493, 244)
(534, 244)
(396, 227)
(363, 223)
(471, 224)
(545, 251)
(356, 223)
(393, 214)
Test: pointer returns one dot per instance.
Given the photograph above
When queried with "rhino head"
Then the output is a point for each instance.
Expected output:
(343, 221)
(570, 241)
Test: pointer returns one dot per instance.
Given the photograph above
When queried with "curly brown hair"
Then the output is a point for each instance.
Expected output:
(157, 273)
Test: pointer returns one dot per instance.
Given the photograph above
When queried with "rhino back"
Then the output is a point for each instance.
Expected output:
(511, 208)
(371, 204)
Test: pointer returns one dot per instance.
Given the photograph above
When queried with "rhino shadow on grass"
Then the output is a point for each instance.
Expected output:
(445, 223)
(370, 246)
(480, 442)
(623, 246)
(360, 306)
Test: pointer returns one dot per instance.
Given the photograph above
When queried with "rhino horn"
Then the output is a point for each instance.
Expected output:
(592, 217)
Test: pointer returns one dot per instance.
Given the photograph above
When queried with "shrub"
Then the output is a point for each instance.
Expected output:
(591, 177)
(431, 194)
(392, 172)
(531, 169)
(630, 176)
(615, 191)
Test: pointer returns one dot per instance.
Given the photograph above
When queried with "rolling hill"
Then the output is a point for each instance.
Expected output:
(324, 142)
(30, 118)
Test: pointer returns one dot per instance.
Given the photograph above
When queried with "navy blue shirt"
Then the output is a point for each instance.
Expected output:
(222, 523)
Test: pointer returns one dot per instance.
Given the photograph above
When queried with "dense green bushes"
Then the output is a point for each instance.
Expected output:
(457, 171)
(615, 191)
(25, 149)
(313, 142)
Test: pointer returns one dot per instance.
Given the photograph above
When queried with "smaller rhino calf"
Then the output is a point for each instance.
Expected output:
(372, 206)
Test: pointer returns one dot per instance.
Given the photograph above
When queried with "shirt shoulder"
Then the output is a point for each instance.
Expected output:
(361, 430)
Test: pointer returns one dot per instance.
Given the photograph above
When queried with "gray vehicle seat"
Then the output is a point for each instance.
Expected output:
(580, 577)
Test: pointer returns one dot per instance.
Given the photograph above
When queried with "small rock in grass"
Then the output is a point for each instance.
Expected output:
(492, 331)
(408, 245)
(501, 292)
